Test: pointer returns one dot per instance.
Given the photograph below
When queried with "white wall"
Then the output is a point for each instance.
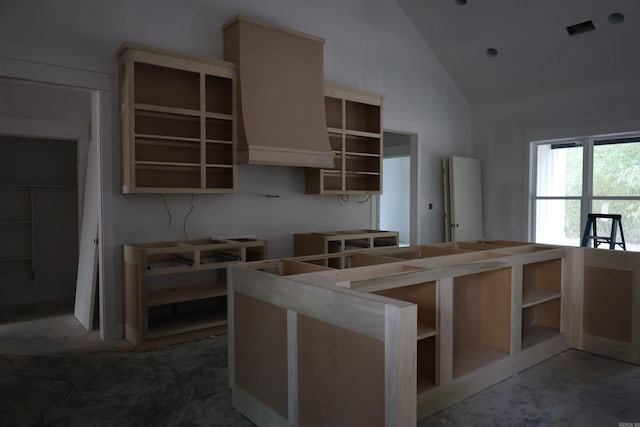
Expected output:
(502, 132)
(370, 44)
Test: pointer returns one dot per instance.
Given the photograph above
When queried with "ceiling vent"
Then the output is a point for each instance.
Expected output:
(583, 27)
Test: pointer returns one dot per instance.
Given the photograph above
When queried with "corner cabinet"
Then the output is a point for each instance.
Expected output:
(178, 122)
(354, 125)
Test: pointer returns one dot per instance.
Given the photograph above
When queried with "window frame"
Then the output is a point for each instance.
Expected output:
(586, 198)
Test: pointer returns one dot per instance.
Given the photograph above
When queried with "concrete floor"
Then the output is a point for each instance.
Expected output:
(73, 379)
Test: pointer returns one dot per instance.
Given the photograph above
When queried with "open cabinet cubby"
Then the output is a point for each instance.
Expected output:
(481, 319)
(424, 295)
(541, 301)
(178, 122)
(177, 290)
(353, 122)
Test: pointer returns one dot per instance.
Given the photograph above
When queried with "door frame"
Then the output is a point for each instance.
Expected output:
(414, 231)
(99, 86)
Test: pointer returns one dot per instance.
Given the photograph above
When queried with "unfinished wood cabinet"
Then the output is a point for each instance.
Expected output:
(354, 124)
(481, 312)
(178, 122)
(607, 315)
(325, 242)
(175, 291)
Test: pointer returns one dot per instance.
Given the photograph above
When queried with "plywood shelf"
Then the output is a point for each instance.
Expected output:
(174, 109)
(475, 357)
(538, 296)
(165, 327)
(185, 293)
(536, 334)
(426, 330)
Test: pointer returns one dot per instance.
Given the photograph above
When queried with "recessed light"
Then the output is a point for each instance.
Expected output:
(616, 18)
(460, 2)
(491, 52)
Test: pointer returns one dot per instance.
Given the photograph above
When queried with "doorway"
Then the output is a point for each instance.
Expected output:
(397, 203)
(38, 226)
(42, 106)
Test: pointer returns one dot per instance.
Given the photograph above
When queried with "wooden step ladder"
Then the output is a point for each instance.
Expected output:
(591, 233)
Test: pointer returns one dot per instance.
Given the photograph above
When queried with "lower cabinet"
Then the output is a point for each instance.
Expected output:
(176, 291)
(411, 330)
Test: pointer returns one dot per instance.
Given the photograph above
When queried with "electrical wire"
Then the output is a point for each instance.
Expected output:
(365, 200)
(184, 225)
(42, 377)
(167, 208)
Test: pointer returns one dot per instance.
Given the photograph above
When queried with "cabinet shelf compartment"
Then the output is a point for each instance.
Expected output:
(219, 129)
(149, 149)
(185, 317)
(220, 154)
(540, 322)
(362, 183)
(156, 176)
(424, 296)
(481, 319)
(362, 164)
(166, 124)
(179, 88)
(335, 139)
(332, 181)
(219, 178)
(333, 112)
(362, 117)
(427, 364)
(541, 281)
(219, 94)
(362, 144)
(608, 303)
(185, 293)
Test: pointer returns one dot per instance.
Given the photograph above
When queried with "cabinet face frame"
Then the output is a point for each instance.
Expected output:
(189, 158)
(354, 124)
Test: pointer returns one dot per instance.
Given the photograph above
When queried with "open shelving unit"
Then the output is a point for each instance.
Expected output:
(17, 256)
(481, 319)
(541, 301)
(424, 295)
(178, 122)
(354, 121)
(177, 290)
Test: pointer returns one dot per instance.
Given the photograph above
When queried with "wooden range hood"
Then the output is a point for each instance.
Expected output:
(281, 94)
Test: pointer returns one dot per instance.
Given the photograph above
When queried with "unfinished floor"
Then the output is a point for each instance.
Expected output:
(68, 378)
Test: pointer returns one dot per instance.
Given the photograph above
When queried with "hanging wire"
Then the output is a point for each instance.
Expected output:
(166, 206)
(365, 200)
(184, 225)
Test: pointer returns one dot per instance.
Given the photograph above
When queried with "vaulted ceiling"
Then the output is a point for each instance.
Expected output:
(535, 54)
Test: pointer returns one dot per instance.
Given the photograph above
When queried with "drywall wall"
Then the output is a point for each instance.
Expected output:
(502, 134)
(370, 45)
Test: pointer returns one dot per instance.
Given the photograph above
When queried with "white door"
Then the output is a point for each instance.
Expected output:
(463, 195)
(88, 254)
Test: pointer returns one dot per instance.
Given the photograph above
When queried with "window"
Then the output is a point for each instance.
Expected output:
(572, 178)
